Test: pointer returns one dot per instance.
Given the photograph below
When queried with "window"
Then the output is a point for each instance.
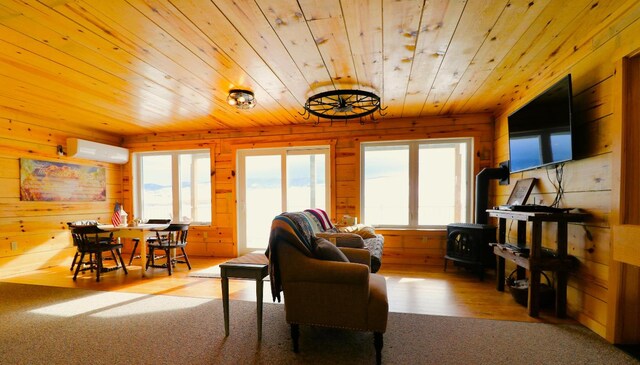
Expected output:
(416, 184)
(174, 185)
(271, 181)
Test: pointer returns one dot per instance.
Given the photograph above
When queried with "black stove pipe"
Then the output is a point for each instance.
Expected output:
(482, 190)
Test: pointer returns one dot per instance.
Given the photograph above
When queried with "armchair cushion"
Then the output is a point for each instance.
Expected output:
(325, 250)
(343, 239)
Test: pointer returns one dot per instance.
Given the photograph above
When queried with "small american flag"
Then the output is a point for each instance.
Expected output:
(115, 218)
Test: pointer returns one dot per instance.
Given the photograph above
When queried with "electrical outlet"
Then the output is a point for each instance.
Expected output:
(14, 246)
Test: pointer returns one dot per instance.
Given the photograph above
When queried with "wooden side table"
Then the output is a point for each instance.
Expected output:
(535, 262)
(251, 266)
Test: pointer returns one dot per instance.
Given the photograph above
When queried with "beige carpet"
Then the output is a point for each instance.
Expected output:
(47, 325)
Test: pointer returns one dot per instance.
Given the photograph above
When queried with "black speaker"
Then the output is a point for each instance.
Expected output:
(468, 245)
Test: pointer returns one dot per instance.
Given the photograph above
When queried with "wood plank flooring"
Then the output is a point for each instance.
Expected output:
(411, 289)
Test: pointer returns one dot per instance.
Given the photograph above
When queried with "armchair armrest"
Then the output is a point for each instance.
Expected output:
(335, 272)
(357, 255)
(343, 239)
(296, 267)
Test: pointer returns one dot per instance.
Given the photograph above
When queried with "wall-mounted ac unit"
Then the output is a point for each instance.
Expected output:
(96, 151)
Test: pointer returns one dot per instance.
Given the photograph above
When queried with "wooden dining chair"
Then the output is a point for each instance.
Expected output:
(136, 241)
(89, 242)
(175, 238)
(106, 238)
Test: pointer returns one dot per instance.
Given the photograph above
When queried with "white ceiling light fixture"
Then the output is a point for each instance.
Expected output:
(81, 148)
(241, 99)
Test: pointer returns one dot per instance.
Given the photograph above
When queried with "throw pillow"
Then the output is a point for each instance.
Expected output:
(366, 232)
(325, 250)
(362, 230)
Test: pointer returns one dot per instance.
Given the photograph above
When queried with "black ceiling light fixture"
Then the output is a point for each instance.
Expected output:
(342, 105)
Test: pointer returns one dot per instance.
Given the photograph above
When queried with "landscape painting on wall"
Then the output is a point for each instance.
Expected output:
(57, 181)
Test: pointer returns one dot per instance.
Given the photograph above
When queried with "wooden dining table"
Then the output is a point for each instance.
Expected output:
(140, 231)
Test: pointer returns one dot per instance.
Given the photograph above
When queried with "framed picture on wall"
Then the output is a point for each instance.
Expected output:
(521, 191)
(59, 181)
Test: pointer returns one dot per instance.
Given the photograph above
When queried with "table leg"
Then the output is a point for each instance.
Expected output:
(502, 230)
(521, 273)
(259, 285)
(561, 295)
(225, 303)
(143, 252)
(500, 274)
(534, 258)
(534, 293)
(502, 238)
(561, 284)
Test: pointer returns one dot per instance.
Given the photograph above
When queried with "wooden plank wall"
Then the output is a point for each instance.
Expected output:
(623, 320)
(588, 180)
(39, 229)
(401, 246)
(587, 185)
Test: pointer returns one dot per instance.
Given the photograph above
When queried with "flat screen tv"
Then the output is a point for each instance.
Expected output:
(540, 132)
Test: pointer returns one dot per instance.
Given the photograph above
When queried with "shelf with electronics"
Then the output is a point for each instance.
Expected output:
(540, 136)
(532, 255)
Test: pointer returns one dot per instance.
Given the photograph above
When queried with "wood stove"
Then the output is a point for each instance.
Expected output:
(468, 246)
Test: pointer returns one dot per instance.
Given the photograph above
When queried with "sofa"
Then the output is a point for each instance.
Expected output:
(324, 285)
(354, 236)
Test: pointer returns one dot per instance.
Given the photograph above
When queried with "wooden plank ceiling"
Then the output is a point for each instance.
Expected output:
(154, 66)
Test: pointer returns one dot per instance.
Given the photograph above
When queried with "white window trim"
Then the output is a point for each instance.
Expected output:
(413, 178)
(241, 154)
(136, 169)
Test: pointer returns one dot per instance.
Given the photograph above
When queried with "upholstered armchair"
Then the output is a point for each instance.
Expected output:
(324, 285)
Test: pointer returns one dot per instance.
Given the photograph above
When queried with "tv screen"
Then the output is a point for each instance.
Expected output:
(540, 131)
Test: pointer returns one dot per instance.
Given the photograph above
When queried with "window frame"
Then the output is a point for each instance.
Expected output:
(175, 180)
(413, 145)
(284, 151)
